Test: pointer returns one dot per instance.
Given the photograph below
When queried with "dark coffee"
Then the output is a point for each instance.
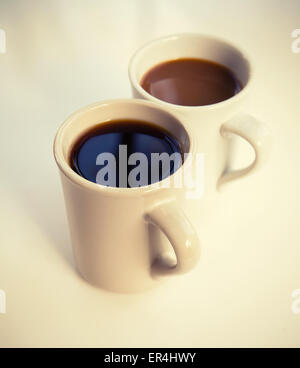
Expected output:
(92, 154)
(191, 82)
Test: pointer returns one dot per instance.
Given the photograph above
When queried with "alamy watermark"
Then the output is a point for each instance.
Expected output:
(2, 302)
(2, 41)
(140, 170)
(295, 46)
(296, 301)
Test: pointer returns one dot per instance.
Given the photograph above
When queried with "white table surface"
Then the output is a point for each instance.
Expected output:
(62, 55)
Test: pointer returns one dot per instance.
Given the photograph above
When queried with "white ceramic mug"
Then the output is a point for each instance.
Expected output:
(111, 227)
(210, 125)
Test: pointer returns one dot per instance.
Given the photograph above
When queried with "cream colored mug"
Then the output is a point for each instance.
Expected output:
(111, 228)
(210, 125)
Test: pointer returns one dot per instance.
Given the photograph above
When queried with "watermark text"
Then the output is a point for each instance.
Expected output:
(2, 41)
(157, 169)
(295, 46)
(2, 302)
(296, 301)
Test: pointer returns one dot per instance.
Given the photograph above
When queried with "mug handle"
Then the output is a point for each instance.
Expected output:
(172, 221)
(254, 132)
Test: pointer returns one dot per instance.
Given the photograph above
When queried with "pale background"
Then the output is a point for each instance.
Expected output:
(62, 55)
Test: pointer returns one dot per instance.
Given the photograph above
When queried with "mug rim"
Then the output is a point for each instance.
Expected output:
(148, 96)
(75, 178)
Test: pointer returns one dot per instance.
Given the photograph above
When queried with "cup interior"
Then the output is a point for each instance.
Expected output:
(83, 120)
(189, 46)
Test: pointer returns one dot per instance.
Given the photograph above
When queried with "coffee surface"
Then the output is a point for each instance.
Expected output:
(135, 137)
(191, 82)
